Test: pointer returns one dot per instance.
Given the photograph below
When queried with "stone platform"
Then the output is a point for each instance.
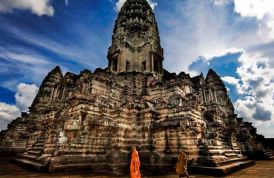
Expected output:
(221, 170)
(262, 169)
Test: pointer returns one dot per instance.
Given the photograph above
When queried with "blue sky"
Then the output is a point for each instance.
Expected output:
(234, 37)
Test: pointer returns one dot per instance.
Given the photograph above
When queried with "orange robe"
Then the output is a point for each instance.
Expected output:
(135, 165)
(181, 166)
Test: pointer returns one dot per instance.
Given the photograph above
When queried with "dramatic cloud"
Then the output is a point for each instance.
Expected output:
(120, 3)
(263, 10)
(38, 7)
(235, 38)
(250, 75)
(257, 77)
(200, 29)
(258, 113)
(262, 114)
(24, 97)
(254, 8)
(234, 81)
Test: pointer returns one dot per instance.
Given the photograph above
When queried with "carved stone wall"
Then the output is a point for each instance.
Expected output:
(93, 119)
(136, 41)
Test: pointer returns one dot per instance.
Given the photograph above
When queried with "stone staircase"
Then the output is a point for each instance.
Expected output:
(33, 158)
(228, 168)
(269, 154)
(223, 160)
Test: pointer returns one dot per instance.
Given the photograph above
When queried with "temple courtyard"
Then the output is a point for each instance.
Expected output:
(262, 169)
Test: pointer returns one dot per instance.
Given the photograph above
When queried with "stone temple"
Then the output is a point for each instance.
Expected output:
(90, 121)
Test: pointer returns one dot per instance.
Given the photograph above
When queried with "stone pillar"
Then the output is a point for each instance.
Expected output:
(216, 98)
(152, 63)
(211, 95)
(204, 96)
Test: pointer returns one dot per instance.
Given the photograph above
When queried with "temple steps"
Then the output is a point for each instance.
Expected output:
(39, 144)
(34, 152)
(221, 170)
(231, 155)
(223, 151)
(230, 161)
(32, 158)
(29, 156)
(30, 164)
(37, 148)
(269, 154)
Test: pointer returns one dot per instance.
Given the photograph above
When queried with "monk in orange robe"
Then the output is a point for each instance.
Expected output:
(135, 164)
(181, 166)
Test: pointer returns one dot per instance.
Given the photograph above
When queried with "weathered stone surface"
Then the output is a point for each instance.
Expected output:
(91, 120)
(136, 41)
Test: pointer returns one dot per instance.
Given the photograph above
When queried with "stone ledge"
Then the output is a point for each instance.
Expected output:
(29, 164)
(7, 152)
(222, 170)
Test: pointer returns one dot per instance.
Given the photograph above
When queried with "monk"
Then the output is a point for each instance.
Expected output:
(181, 166)
(135, 164)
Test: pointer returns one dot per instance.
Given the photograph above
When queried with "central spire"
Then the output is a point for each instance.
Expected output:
(135, 40)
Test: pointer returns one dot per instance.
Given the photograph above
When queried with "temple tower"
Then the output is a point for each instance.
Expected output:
(46, 90)
(135, 40)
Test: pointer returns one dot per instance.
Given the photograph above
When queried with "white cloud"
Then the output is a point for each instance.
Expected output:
(8, 112)
(25, 95)
(231, 80)
(198, 29)
(263, 10)
(265, 128)
(24, 98)
(258, 114)
(257, 78)
(254, 80)
(38, 7)
(221, 2)
(243, 107)
(22, 57)
(234, 81)
(219, 53)
(254, 8)
(255, 72)
(120, 4)
(152, 4)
